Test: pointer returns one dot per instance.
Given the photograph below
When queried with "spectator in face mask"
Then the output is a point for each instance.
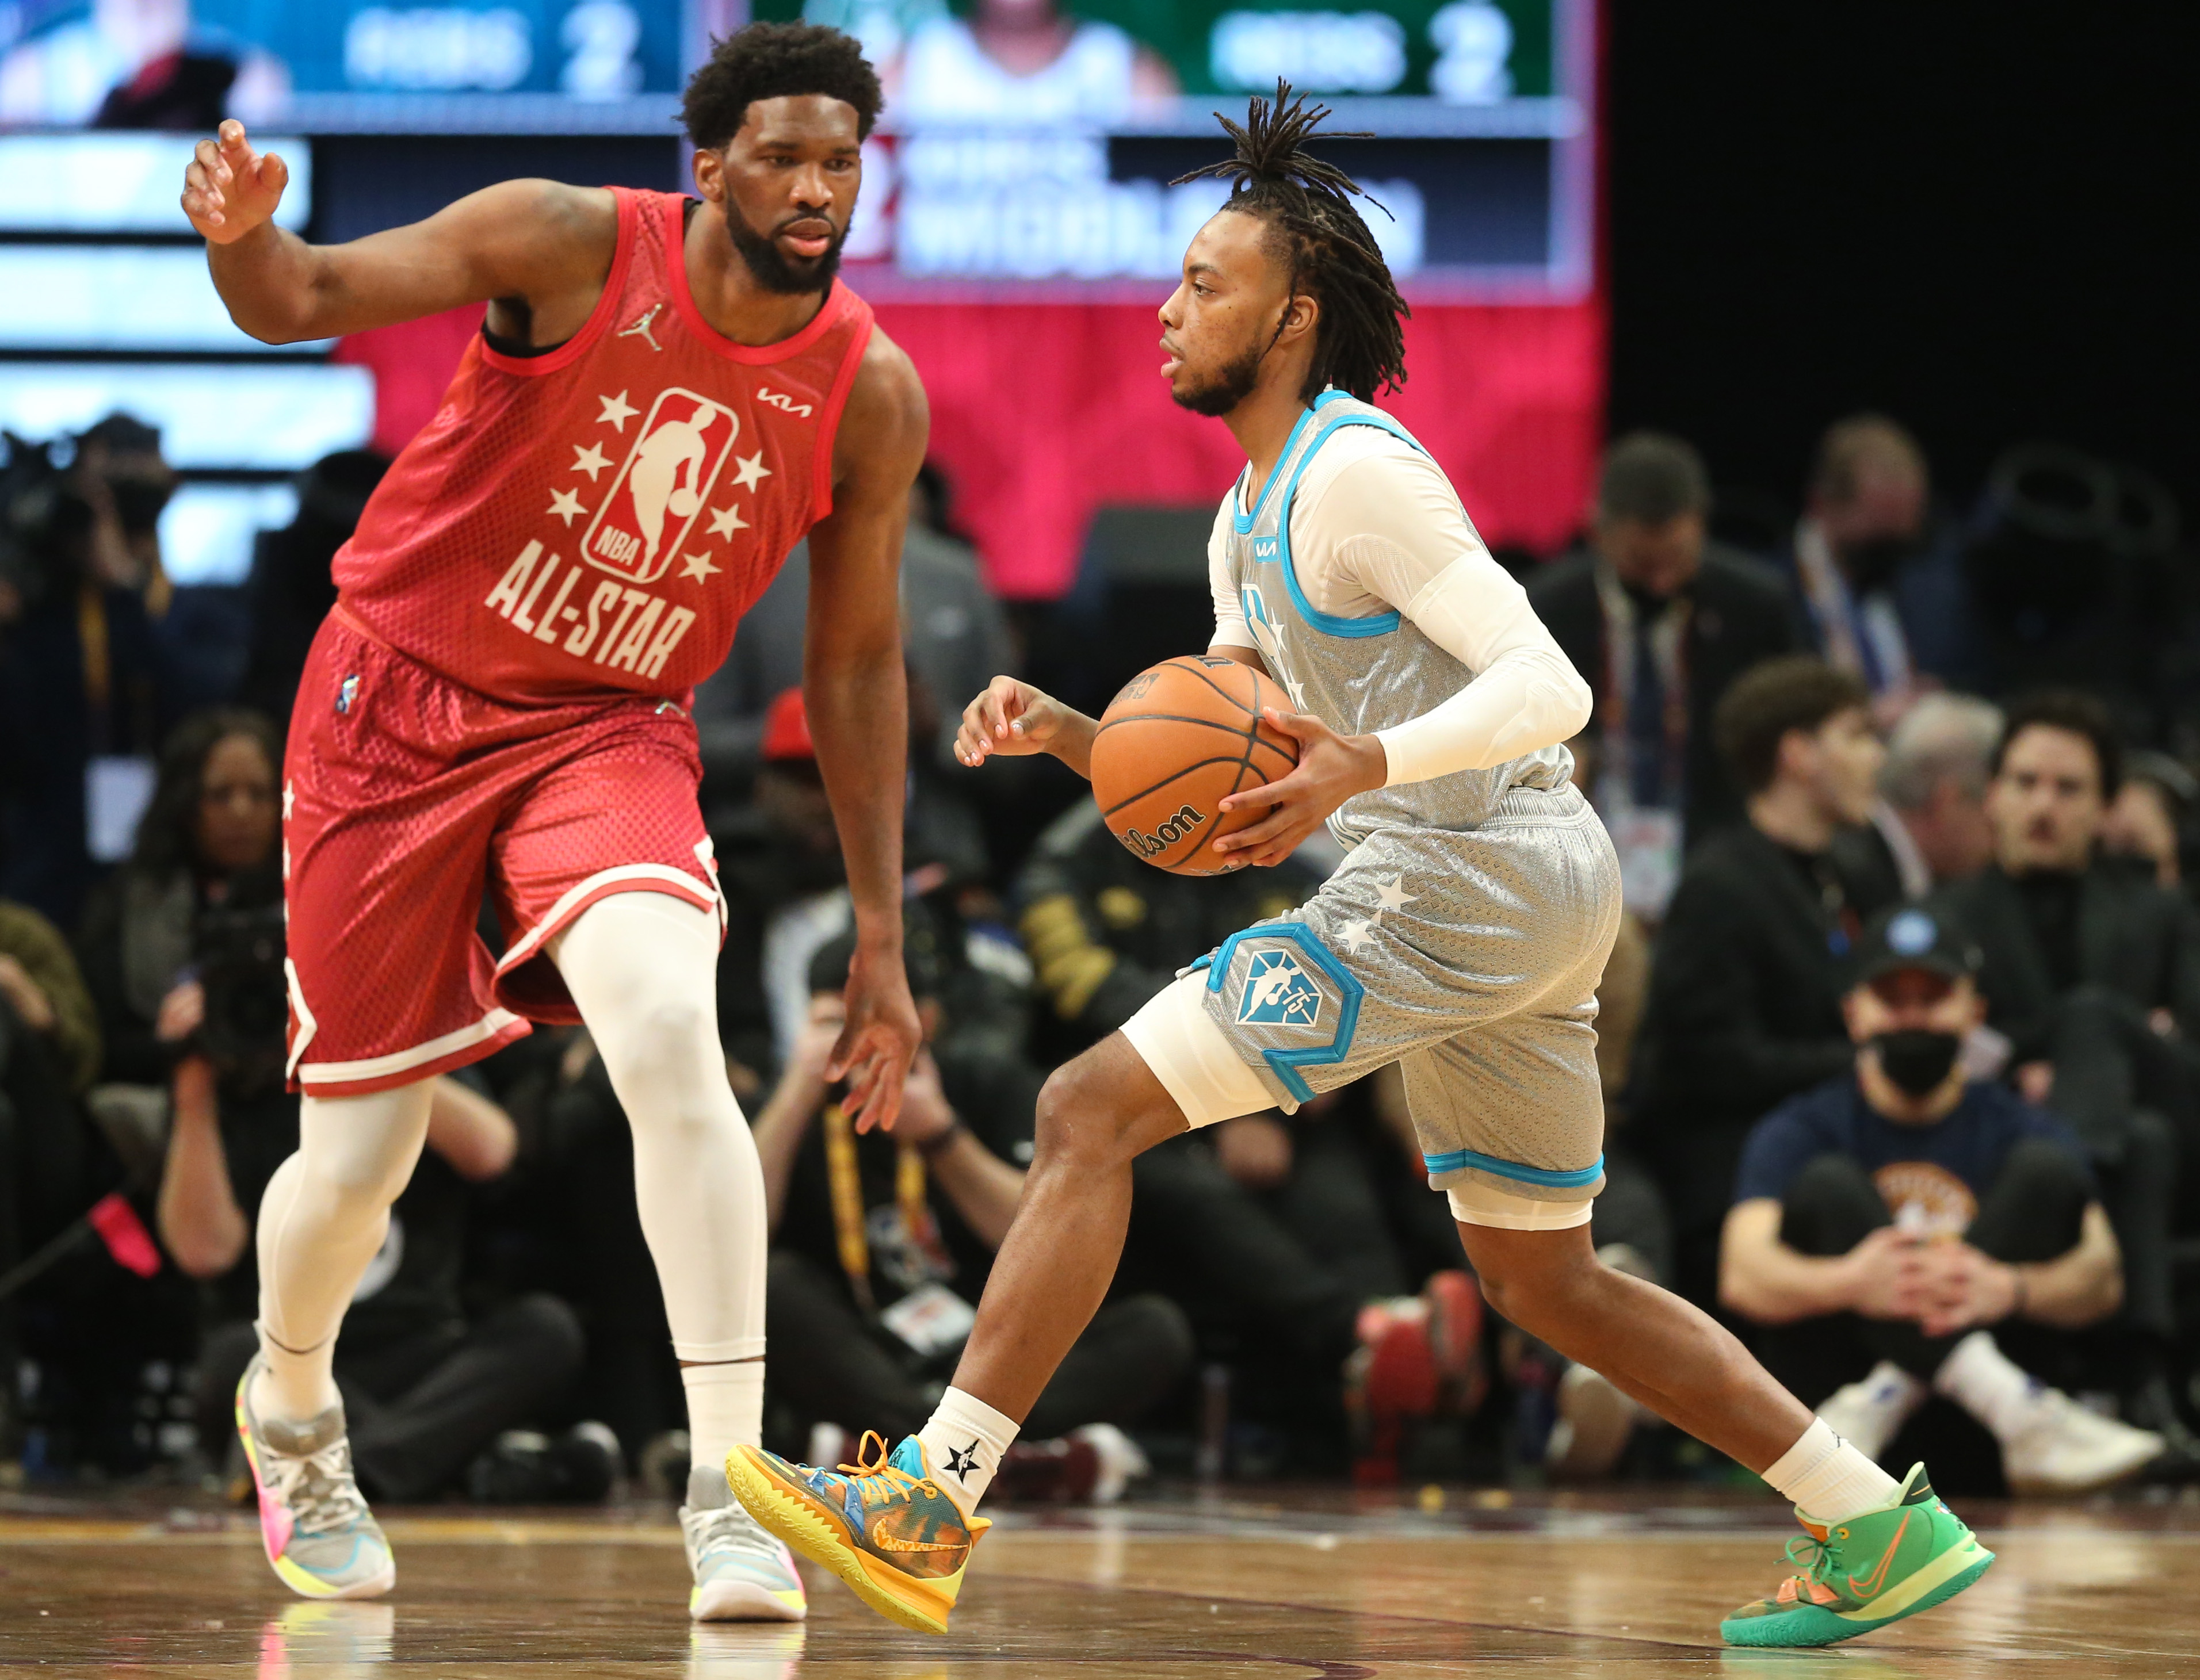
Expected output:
(1905, 1230)
(1661, 620)
(85, 684)
(1880, 584)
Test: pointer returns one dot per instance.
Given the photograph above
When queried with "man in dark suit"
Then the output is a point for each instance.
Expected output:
(2092, 971)
(1745, 1006)
(1661, 621)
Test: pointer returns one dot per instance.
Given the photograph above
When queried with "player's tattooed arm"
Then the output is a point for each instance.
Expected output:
(539, 251)
(856, 696)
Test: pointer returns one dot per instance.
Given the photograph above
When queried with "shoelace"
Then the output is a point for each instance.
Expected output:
(1815, 1565)
(319, 1488)
(900, 1485)
(731, 1528)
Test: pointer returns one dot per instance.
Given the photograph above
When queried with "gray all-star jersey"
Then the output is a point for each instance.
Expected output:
(1359, 674)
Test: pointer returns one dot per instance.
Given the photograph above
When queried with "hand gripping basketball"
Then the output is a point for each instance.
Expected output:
(229, 189)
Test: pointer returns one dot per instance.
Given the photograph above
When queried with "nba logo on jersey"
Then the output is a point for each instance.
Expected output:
(661, 486)
(1279, 992)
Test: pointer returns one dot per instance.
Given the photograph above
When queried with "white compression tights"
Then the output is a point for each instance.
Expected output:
(325, 1213)
(643, 968)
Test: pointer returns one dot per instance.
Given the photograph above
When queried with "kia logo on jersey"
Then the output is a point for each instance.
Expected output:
(661, 486)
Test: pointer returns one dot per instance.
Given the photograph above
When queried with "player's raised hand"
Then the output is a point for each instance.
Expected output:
(878, 1042)
(229, 189)
(1331, 768)
(1013, 718)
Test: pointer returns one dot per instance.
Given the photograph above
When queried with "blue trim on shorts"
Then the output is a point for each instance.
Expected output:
(1453, 1159)
(1285, 1063)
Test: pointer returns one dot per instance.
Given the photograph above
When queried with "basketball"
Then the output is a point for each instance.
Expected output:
(1180, 737)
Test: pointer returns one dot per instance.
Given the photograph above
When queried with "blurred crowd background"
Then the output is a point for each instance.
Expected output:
(1821, 382)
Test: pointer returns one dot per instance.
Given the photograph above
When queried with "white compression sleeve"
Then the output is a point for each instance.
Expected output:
(1230, 629)
(322, 1217)
(1377, 525)
(1526, 693)
(643, 968)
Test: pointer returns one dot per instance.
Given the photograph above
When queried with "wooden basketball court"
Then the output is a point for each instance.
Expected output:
(1244, 1583)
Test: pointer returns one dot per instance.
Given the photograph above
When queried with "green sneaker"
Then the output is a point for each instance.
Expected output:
(1861, 1574)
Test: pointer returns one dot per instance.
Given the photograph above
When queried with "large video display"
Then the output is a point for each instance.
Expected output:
(1019, 222)
(1033, 143)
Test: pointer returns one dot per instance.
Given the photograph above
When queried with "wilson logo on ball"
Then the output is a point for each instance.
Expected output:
(1165, 835)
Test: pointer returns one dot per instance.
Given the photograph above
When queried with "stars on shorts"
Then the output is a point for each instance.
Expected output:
(1357, 934)
(1394, 895)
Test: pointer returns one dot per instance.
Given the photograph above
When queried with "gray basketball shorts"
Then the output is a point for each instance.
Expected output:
(1472, 959)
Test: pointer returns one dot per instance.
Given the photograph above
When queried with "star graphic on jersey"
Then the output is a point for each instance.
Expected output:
(591, 461)
(727, 520)
(1357, 935)
(289, 799)
(566, 504)
(616, 411)
(699, 567)
(1298, 692)
(750, 469)
(1394, 894)
(962, 1460)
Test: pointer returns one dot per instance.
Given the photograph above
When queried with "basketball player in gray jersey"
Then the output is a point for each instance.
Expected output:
(1463, 938)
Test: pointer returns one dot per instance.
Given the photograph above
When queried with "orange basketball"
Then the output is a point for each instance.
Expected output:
(1180, 737)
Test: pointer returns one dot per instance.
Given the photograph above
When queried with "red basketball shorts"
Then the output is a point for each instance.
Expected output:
(407, 800)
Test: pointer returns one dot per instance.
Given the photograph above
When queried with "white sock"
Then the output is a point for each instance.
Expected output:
(725, 1410)
(963, 1444)
(1829, 1480)
(1978, 1376)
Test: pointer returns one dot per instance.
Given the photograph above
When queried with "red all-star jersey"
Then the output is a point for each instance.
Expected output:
(598, 519)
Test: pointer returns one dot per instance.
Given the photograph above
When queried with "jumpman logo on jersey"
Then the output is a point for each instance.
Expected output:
(962, 1460)
(640, 329)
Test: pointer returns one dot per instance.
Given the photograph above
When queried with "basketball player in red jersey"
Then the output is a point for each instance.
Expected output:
(667, 393)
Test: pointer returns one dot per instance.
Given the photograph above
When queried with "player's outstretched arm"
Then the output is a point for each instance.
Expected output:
(856, 696)
(539, 243)
(1014, 720)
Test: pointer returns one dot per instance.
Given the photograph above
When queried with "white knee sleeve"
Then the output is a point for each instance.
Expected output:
(1178, 1039)
(642, 966)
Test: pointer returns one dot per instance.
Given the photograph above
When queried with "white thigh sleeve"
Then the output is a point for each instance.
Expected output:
(1476, 1203)
(1193, 1060)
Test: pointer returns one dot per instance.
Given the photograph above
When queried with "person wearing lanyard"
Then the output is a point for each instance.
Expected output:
(1877, 598)
(1661, 620)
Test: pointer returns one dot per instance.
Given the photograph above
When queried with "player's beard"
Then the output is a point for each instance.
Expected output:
(769, 265)
(1230, 385)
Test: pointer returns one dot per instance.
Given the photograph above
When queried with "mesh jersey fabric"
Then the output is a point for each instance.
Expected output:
(595, 520)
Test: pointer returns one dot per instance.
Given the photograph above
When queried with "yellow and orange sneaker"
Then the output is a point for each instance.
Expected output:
(882, 1525)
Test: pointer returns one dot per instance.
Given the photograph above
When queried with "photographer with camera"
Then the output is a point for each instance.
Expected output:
(83, 684)
(184, 951)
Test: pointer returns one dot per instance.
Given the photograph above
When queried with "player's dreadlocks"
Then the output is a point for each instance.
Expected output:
(1359, 344)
